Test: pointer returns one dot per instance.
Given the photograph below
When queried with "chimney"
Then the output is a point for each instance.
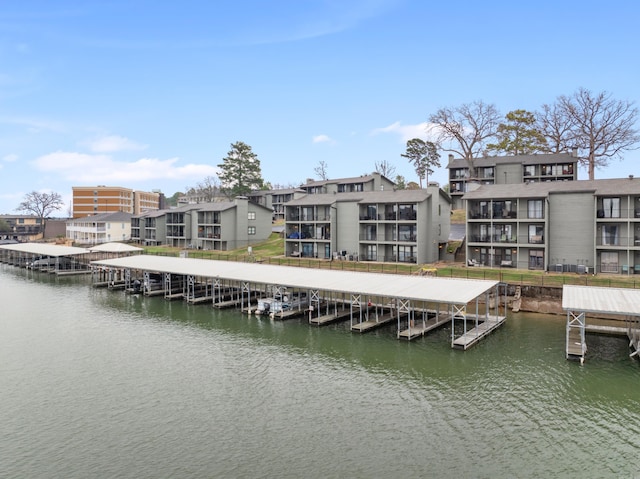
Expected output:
(450, 157)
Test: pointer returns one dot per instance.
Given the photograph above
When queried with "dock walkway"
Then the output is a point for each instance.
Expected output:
(365, 326)
(471, 337)
(421, 328)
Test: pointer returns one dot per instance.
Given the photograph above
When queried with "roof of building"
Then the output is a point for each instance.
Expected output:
(420, 288)
(115, 247)
(535, 159)
(604, 187)
(340, 181)
(385, 196)
(116, 216)
(593, 299)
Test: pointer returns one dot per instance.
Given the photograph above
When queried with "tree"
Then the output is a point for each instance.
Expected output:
(240, 171)
(423, 155)
(466, 130)
(519, 135)
(4, 226)
(602, 127)
(208, 189)
(321, 170)
(401, 183)
(385, 168)
(557, 128)
(41, 204)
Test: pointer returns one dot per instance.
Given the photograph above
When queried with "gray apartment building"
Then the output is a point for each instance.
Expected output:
(209, 226)
(407, 226)
(577, 226)
(516, 169)
(373, 182)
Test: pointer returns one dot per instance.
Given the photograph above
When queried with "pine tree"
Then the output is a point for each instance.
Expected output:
(240, 171)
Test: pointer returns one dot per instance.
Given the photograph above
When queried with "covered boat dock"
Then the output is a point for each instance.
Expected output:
(578, 301)
(47, 257)
(369, 297)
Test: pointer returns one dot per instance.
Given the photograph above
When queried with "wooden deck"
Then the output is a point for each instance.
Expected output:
(374, 323)
(472, 336)
(421, 328)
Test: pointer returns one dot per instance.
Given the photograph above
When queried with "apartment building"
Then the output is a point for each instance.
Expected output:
(406, 226)
(373, 182)
(91, 200)
(100, 228)
(21, 228)
(209, 226)
(149, 228)
(275, 199)
(577, 226)
(495, 170)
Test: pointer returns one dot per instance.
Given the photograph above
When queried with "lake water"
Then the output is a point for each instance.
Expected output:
(99, 384)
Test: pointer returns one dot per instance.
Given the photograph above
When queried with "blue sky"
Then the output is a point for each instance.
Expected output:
(150, 94)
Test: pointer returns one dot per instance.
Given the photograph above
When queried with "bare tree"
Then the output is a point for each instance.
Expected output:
(385, 168)
(321, 170)
(41, 204)
(603, 127)
(466, 130)
(208, 189)
(424, 156)
(557, 127)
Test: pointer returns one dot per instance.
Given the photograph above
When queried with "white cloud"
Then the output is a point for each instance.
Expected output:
(85, 168)
(10, 158)
(111, 143)
(407, 132)
(322, 139)
(33, 124)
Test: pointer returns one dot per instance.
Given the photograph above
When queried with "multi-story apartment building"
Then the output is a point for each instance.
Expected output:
(21, 227)
(509, 170)
(101, 228)
(275, 199)
(91, 200)
(149, 228)
(582, 226)
(209, 226)
(409, 226)
(373, 182)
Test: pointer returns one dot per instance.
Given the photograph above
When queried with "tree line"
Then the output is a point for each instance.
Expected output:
(593, 126)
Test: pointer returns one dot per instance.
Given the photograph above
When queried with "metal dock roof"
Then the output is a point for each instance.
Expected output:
(421, 288)
(45, 249)
(601, 300)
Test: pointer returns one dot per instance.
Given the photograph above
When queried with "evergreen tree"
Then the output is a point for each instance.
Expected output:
(240, 171)
(519, 135)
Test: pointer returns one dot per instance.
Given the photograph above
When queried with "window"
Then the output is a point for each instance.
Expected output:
(609, 262)
(251, 230)
(611, 207)
(534, 209)
(536, 234)
(530, 170)
(536, 259)
(251, 215)
(610, 236)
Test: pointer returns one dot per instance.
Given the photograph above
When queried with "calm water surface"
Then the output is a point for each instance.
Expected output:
(98, 384)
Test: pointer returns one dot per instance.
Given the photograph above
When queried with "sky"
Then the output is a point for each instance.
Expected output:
(150, 94)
